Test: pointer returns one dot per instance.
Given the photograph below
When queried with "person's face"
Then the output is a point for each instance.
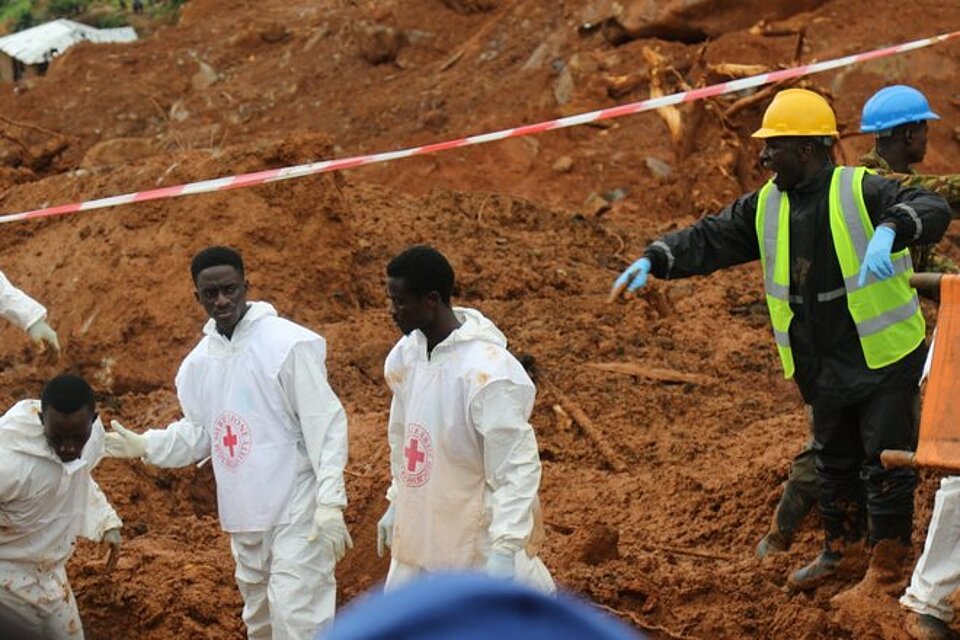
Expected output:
(916, 140)
(786, 157)
(409, 310)
(67, 433)
(222, 292)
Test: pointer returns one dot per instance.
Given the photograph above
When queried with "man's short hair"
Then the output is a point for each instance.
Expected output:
(215, 257)
(423, 269)
(67, 394)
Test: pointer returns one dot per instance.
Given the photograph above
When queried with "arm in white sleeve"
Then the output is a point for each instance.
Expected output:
(18, 307)
(180, 444)
(13, 477)
(99, 516)
(395, 428)
(323, 421)
(500, 413)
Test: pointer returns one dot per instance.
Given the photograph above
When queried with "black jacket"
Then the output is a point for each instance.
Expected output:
(830, 365)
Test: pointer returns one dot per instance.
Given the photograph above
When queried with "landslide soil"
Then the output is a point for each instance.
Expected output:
(242, 86)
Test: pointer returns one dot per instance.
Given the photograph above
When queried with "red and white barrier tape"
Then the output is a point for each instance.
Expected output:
(298, 171)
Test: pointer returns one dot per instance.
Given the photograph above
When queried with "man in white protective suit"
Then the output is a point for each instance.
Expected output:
(26, 313)
(47, 498)
(463, 455)
(255, 398)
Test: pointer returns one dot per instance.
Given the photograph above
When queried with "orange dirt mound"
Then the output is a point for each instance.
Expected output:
(243, 86)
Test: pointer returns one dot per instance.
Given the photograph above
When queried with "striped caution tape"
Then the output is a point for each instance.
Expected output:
(325, 166)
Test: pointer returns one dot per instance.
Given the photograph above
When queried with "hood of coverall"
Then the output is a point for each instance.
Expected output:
(22, 431)
(475, 326)
(255, 311)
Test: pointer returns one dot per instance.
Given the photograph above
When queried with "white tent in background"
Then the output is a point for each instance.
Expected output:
(27, 53)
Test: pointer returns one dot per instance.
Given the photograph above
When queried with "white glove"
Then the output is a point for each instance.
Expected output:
(500, 564)
(123, 443)
(385, 531)
(329, 528)
(41, 332)
(112, 538)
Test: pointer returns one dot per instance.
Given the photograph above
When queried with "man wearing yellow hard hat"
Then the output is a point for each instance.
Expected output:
(832, 244)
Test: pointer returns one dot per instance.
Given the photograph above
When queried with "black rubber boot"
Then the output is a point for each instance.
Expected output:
(832, 562)
(922, 626)
(799, 497)
(773, 542)
(816, 573)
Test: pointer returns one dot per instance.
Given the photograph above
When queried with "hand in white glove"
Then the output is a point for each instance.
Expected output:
(123, 443)
(385, 531)
(111, 540)
(41, 332)
(500, 564)
(329, 528)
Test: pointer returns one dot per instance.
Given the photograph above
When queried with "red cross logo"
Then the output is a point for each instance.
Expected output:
(414, 455)
(230, 440)
(419, 455)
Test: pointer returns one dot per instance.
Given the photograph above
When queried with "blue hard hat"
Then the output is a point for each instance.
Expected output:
(472, 607)
(892, 106)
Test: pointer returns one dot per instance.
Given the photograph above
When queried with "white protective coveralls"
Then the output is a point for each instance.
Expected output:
(45, 504)
(463, 455)
(937, 573)
(260, 406)
(18, 307)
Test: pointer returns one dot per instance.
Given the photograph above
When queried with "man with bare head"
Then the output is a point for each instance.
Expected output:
(255, 399)
(47, 499)
(463, 455)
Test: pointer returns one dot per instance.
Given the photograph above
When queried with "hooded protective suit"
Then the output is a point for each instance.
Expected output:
(45, 504)
(260, 406)
(464, 457)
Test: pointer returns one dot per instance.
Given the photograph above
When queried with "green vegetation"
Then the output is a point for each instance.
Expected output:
(17, 15)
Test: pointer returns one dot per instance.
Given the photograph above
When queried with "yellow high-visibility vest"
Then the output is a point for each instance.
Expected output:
(886, 312)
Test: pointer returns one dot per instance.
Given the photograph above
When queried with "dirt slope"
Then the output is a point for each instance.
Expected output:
(239, 86)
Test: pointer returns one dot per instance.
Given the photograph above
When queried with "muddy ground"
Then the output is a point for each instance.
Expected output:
(537, 228)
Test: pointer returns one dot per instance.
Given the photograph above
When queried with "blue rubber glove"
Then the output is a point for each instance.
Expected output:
(632, 279)
(877, 260)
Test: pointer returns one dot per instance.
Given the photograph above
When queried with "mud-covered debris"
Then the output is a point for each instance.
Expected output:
(274, 33)
(658, 168)
(692, 21)
(471, 6)
(206, 76)
(600, 544)
(563, 164)
(380, 44)
(564, 86)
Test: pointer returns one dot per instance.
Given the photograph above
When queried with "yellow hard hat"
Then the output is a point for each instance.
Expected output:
(797, 112)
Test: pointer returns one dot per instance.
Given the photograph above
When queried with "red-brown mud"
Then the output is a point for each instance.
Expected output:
(239, 86)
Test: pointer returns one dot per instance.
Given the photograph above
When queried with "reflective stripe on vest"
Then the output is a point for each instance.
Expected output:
(886, 312)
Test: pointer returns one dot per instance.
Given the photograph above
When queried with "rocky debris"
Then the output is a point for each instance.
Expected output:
(379, 44)
(118, 151)
(693, 21)
(598, 544)
(471, 6)
(563, 164)
(658, 168)
(274, 33)
(205, 77)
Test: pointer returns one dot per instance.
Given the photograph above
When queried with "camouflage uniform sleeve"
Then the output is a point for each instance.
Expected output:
(945, 186)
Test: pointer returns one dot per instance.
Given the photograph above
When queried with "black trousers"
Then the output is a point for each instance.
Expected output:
(847, 441)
